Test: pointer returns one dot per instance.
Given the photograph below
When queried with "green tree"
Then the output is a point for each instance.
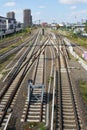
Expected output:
(57, 26)
(86, 27)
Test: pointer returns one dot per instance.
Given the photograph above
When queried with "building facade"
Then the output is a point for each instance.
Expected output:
(2, 24)
(7, 23)
(27, 17)
(11, 15)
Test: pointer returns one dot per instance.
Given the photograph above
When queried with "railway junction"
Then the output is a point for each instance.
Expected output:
(40, 89)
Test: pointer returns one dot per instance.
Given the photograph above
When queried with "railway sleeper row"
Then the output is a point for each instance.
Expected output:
(67, 115)
(34, 110)
(36, 106)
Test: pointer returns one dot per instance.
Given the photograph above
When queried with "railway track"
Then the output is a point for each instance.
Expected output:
(68, 116)
(35, 105)
(7, 43)
(44, 101)
(19, 65)
(12, 40)
(22, 60)
(9, 93)
(16, 49)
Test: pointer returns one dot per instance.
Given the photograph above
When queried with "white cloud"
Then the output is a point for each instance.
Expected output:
(72, 1)
(81, 12)
(38, 13)
(42, 6)
(8, 4)
(73, 7)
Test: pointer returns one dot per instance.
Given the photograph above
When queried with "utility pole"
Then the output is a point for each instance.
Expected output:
(39, 22)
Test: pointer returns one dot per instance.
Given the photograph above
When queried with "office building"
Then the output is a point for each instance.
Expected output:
(27, 18)
(11, 15)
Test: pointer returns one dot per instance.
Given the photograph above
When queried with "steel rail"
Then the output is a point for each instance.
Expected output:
(16, 71)
(15, 91)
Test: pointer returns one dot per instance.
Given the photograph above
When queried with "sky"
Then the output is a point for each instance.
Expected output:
(47, 10)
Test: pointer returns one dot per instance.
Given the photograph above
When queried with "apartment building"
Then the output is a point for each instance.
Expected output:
(27, 17)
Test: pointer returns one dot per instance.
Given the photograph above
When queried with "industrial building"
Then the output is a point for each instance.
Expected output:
(27, 17)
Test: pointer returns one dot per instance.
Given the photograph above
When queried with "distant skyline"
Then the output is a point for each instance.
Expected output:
(47, 10)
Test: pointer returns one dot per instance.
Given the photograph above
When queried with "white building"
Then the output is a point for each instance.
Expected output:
(79, 28)
(53, 26)
(7, 24)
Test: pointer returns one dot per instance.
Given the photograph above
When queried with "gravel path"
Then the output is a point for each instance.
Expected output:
(79, 74)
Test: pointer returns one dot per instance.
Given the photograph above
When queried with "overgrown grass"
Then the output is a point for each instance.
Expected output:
(35, 125)
(78, 40)
(83, 89)
(21, 33)
(3, 50)
(11, 46)
(7, 61)
(28, 126)
(41, 127)
(74, 38)
(50, 79)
